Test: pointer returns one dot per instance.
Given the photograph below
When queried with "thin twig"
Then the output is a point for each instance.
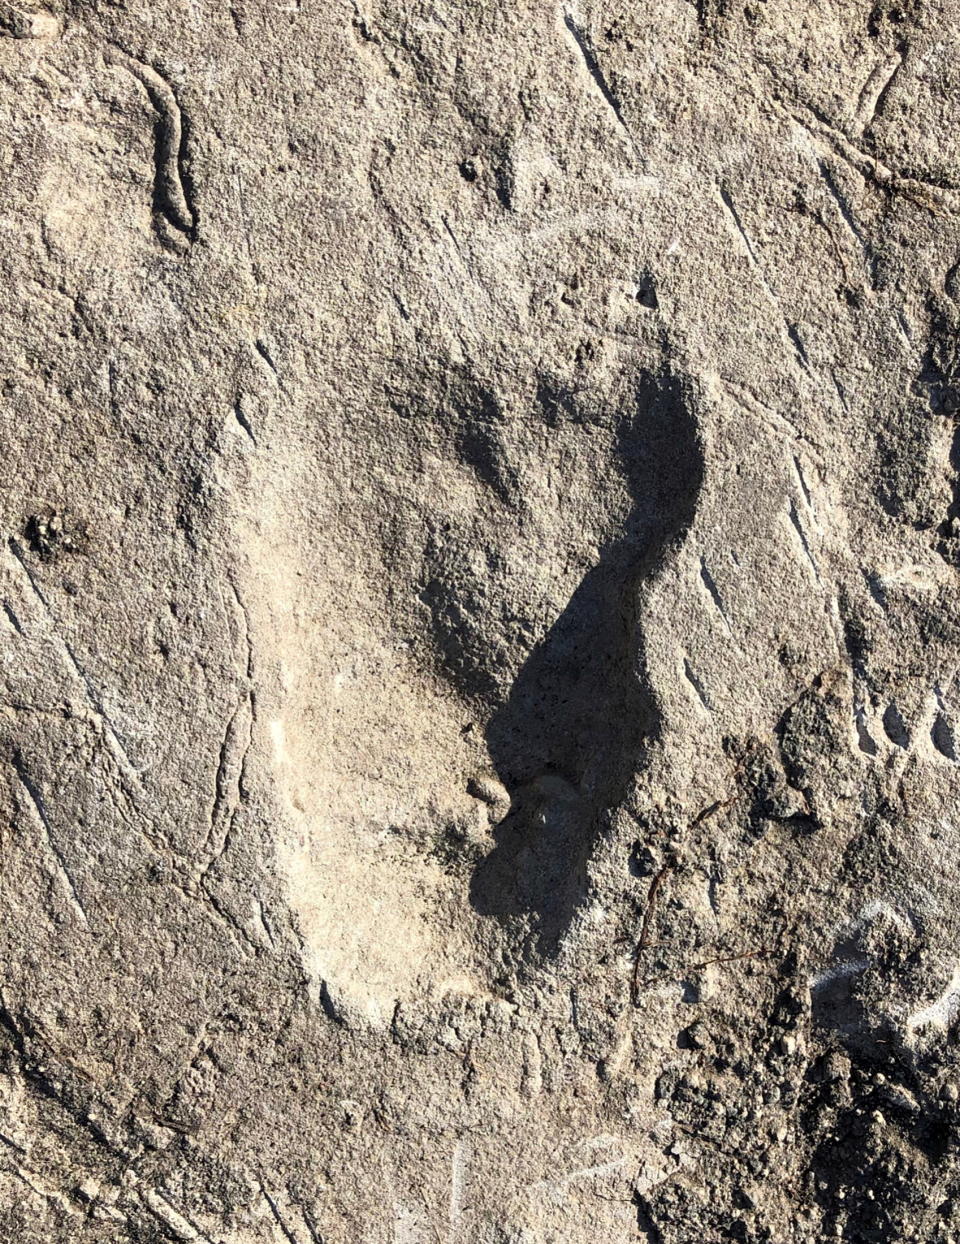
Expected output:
(746, 954)
(694, 967)
(643, 942)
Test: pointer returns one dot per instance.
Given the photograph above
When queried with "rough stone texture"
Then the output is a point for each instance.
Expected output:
(480, 630)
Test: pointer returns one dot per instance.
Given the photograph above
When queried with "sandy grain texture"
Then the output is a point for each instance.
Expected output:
(480, 630)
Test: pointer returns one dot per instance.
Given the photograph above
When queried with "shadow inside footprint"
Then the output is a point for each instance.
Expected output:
(569, 736)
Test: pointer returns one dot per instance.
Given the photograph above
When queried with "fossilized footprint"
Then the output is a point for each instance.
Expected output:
(460, 655)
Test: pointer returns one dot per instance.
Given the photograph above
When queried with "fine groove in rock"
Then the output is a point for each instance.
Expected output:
(593, 68)
(36, 801)
(173, 196)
